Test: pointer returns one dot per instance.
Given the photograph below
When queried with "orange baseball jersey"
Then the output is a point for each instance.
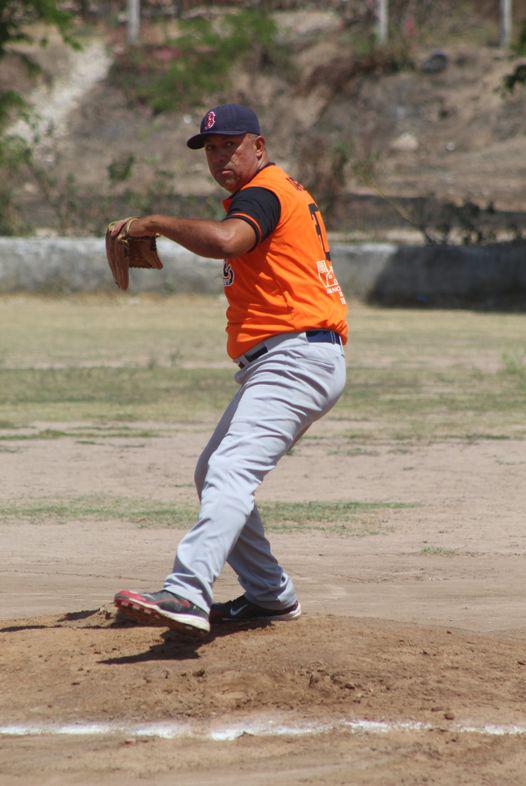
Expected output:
(286, 283)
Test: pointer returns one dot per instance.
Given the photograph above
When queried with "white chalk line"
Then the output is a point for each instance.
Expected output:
(174, 730)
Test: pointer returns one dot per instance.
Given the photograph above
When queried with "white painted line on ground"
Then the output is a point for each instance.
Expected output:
(173, 730)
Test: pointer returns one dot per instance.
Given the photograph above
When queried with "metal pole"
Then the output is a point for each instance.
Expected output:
(134, 18)
(383, 20)
(505, 22)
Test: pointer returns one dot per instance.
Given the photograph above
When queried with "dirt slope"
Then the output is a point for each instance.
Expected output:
(451, 134)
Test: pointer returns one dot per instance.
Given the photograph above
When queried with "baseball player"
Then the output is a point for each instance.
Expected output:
(286, 327)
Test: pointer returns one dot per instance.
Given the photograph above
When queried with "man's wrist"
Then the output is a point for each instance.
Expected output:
(151, 225)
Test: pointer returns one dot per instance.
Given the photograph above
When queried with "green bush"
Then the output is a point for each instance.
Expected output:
(185, 70)
(520, 45)
(514, 78)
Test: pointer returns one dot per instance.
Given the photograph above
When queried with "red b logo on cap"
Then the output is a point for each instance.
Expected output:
(210, 121)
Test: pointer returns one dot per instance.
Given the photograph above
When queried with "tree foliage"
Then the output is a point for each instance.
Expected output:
(199, 61)
(16, 17)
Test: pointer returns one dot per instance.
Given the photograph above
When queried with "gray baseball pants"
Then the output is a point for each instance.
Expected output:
(281, 394)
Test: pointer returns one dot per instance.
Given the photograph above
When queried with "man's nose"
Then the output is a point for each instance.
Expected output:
(222, 155)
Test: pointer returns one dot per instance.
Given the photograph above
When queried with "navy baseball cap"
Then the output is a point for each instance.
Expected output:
(228, 119)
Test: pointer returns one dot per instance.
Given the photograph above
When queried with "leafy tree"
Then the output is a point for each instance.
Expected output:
(199, 61)
(16, 18)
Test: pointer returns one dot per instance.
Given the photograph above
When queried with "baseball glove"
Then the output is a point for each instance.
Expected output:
(124, 251)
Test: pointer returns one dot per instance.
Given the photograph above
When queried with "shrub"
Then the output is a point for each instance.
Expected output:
(184, 70)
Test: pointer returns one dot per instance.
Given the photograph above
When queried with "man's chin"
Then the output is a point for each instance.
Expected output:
(227, 182)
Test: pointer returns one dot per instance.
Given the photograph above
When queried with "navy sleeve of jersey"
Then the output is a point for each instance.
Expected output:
(259, 207)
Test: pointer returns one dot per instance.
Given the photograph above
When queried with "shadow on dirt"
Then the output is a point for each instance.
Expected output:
(174, 645)
(177, 646)
(17, 628)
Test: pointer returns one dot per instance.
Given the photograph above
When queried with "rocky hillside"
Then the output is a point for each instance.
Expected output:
(358, 127)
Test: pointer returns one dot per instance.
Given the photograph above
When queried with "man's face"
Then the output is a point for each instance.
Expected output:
(234, 160)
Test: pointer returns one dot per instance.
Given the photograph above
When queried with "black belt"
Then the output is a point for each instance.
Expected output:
(326, 336)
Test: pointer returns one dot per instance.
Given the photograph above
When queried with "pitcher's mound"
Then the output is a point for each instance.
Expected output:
(92, 666)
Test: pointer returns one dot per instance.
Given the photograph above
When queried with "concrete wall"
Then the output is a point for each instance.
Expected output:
(79, 265)
(383, 273)
(386, 273)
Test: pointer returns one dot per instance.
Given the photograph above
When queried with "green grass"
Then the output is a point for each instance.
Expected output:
(439, 551)
(91, 435)
(143, 512)
(514, 362)
(428, 405)
(117, 330)
(108, 394)
(343, 518)
(44, 434)
(414, 376)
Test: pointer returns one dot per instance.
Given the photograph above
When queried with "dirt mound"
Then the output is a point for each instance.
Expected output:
(91, 666)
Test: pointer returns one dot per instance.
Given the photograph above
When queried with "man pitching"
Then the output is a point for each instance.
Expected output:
(286, 327)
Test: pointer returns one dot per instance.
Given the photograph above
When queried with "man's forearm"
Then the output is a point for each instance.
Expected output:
(214, 239)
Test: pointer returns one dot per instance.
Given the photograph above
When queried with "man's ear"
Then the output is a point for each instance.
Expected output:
(259, 142)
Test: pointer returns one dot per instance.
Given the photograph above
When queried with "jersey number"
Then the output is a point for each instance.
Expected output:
(315, 215)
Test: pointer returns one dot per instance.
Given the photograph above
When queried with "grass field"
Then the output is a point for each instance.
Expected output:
(341, 518)
(413, 375)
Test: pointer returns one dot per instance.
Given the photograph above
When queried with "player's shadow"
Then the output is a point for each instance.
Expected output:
(176, 646)
(17, 628)
(68, 617)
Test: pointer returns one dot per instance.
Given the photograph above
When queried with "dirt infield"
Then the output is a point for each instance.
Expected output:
(432, 686)
(400, 518)
(415, 619)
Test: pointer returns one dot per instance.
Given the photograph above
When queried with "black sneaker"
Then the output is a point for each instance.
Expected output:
(163, 608)
(242, 610)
